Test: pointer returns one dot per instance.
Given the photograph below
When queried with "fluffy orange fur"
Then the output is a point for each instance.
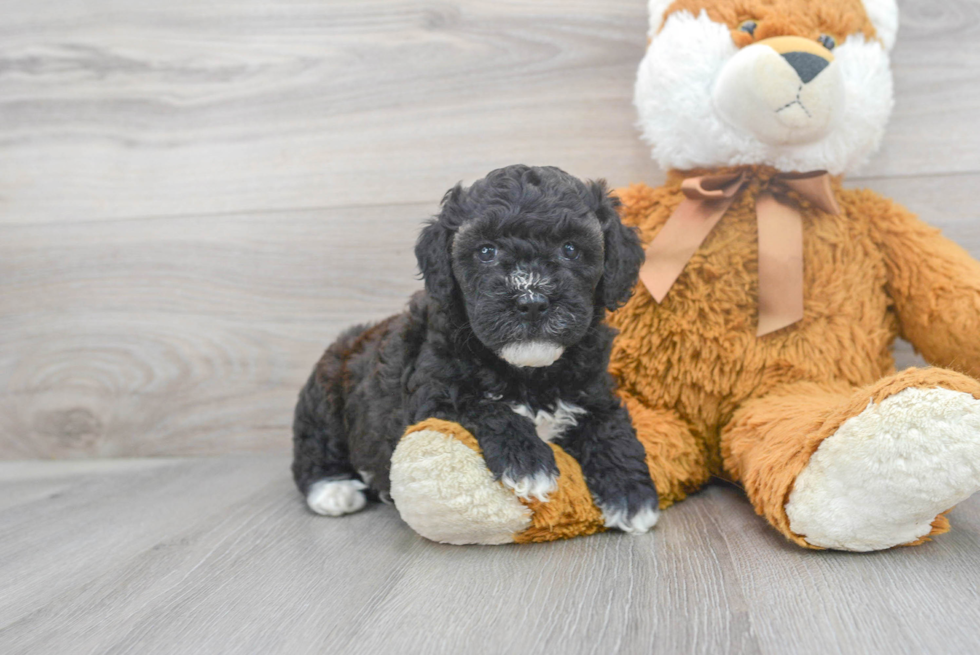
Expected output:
(837, 18)
(757, 408)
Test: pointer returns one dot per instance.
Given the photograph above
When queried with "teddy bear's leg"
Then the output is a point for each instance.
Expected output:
(861, 469)
(676, 461)
(445, 492)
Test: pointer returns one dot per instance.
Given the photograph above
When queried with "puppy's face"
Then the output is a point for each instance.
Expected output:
(528, 279)
(529, 260)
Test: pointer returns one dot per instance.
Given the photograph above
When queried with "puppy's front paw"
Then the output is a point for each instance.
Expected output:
(525, 465)
(639, 522)
(538, 486)
(634, 509)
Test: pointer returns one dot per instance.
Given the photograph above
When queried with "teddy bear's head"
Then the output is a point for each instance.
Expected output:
(799, 85)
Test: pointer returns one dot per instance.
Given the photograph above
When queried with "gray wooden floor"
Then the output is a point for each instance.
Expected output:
(218, 555)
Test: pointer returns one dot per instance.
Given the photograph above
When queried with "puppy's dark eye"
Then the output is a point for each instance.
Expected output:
(748, 26)
(827, 41)
(487, 252)
(570, 251)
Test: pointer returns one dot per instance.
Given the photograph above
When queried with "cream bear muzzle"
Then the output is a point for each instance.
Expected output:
(784, 90)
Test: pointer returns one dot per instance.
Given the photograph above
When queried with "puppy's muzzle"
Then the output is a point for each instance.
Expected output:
(784, 90)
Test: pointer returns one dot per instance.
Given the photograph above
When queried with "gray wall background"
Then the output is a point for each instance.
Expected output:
(196, 197)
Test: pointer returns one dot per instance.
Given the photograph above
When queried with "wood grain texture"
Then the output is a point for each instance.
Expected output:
(219, 555)
(184, 335)
(196, 198)
(173, 108)
(118, 109)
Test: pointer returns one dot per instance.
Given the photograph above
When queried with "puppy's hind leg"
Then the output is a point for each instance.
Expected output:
(321, 464)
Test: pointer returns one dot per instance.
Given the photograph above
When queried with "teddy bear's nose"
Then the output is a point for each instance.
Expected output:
(806, 65)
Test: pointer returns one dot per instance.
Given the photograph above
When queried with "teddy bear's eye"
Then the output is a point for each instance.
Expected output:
(748, 26)
(827, 41)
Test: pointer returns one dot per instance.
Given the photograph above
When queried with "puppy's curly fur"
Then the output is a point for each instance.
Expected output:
(507, 339)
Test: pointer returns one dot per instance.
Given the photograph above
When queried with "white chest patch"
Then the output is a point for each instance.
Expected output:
(551, 425)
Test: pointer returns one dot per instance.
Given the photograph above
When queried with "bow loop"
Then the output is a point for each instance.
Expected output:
(713, 187)
(813, 187)
(706, 199)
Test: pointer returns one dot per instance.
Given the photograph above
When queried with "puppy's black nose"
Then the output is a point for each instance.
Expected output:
(532, 305)
(807, 66)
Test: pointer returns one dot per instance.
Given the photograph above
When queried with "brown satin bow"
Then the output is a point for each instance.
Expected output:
(780, 238)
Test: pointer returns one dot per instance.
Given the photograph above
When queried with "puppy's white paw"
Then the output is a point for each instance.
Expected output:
(640, 522)
(336, 497)
(537, 486)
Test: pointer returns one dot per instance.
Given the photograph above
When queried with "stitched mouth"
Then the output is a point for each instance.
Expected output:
(796, 101)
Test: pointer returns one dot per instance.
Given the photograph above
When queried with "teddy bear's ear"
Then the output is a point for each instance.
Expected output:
(884, 16)
(656, 9)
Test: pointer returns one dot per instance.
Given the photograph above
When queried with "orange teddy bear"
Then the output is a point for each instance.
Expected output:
(758, 346)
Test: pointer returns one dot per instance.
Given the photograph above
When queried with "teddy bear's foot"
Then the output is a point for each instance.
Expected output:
(445, 492)
(883, 477)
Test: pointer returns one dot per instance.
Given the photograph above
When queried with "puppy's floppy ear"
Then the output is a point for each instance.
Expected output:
(434, 248)
(623, 252)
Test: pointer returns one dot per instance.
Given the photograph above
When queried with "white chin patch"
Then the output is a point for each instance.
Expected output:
(641, 522)
(531, 353)
(336, 497)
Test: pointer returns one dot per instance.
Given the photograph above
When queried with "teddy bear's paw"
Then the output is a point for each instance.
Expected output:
(336, 497)
(443, 489)
(885, 475)
(538, 486)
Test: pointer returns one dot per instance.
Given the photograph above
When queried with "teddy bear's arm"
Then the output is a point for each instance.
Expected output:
(934, 283)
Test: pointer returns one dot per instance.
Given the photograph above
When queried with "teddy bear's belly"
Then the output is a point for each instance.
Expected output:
(698, 355)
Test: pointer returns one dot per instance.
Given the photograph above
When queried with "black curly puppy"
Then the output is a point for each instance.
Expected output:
(507, 339)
